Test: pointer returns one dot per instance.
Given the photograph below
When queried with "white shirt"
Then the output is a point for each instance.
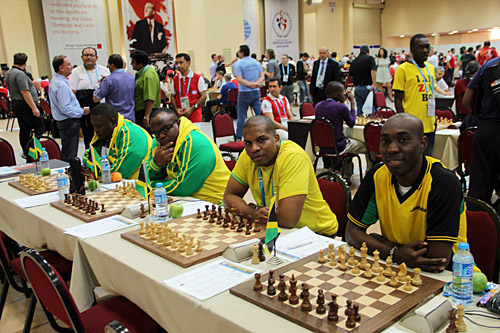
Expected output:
(152, 23)
(81, 79)
(201, 83)
(267, 107)
(433, 60)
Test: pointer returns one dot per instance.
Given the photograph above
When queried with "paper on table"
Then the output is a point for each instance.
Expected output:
(211, 279)
(100, 227)
(448, 131)
(37, 200)
(4, 171)
(302, 243)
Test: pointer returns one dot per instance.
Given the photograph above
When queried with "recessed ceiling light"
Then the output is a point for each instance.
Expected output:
(451, 33)
(474, 29)
(401, 36)
(433, 34)
(455, 31)
(470, 31)
(496, 27)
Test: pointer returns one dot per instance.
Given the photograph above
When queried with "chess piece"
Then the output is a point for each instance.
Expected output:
(211, 219)
(262, 257)
(320, 300)
(341, 252)
(351, 319)
(368, 272)
(388, 267)
(189, 250)
(199, 248)
(357, 317)
(255, 256)
(256, 227)
(333, 259)
(381, 277)
(350, 262)
(334, 308)
(331, 251)
(240, 227)
(355, 269)
(142, 231)
(408, 286)
(248, 229)
(376, 258)
(174, 242)
(452, 328)
(348, 306)
(143, 211)
(364, 254)
(394, 281)
(103, 210)
(258, 285)
(306, 304)
(417, 280)
(321, 258)
(293, 299)
(282, 296)
(271, 291)
(402, 272)
(167, 241)
(92, 210)
(342, 265)
(225, 224)
(460, 323)
(271, 276)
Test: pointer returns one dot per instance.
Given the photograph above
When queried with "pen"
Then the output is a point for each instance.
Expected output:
(297, 245)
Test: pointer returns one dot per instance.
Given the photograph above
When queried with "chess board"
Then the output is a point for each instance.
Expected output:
(114, 202)
(380, 304)
(215, 240)
(52, 179)
(361, 120)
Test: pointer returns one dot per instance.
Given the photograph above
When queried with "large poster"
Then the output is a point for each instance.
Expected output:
(250, 25)
(282, 27)
(73, 25)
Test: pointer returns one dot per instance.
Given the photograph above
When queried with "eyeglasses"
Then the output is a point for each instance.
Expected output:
(164, 130)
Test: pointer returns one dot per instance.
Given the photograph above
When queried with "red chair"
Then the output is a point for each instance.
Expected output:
(7, 155)
(306, 110)
(11, 266)
(465, 154)
(47, 115)
(483, 234)
(385, 112)
(50, 145)
(380, 99)
(263, 92)
(372, 133)
(337, 194)
(230, 105)
(444, 112)
(229, 160)
(5, 104)
(323, 135)
(58, 303)
(222, 126)
(348, 84)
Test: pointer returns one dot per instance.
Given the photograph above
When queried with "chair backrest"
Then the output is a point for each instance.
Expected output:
(348, 82)
(50, 145)
(337, 194)
(306, 109)
(323, 134)
(445, 112)
(263, 91)
(232, 97)
(45, 106)
(7, 155)
(50, 289)
(483, 234)
(372, 133)
(4, 103)
(380, 99)
(46, 90)
(385, 112)
(222, 125)
(465, 145)
(229, 160)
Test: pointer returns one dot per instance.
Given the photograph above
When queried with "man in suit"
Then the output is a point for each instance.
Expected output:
(148, 33)
(325, 70)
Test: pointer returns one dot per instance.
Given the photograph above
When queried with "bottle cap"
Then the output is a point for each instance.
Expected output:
(463, 246)
(159, 184)
(104, 156)
(60, 170)
(43, 149)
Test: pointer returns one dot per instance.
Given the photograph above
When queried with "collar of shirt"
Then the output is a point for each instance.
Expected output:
(151, 21)
(182, 76)
(62, 78)
(275, 98)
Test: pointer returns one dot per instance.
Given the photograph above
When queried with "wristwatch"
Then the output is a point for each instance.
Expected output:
(146, 117)
(196, 106)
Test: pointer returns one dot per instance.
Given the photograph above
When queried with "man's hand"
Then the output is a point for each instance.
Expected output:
(36, 112)
(262, 214)
(145, 122)
(86, 110)
(163, 154)
(413, 255)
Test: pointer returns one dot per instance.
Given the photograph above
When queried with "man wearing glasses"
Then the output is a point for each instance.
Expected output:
(184, 159)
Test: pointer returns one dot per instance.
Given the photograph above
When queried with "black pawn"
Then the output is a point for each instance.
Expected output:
(350, 321)
(271, 276)
(257, 286)
(261, 255)
(349, 306)
(320, 309)
(304, 292)
(282, 296)
(306, 304)
(357, 317)
(271, 291)
(334, 309)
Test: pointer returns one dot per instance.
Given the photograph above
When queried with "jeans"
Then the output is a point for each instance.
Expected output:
(287, 91)
(303, 92)
(27, 123)
(69, 130)
(431, 138)
(360, 94)
(246, 99)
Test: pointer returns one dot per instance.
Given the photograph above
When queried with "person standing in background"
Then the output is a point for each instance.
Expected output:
(383, 73)
(302, 69)
(287, 71)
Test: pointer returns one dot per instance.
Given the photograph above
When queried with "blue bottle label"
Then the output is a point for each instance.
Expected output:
(105, 167)
(160, 199)
(62, 182)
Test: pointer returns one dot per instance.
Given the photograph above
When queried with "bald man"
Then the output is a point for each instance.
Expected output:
(417, 200)
(325, 70)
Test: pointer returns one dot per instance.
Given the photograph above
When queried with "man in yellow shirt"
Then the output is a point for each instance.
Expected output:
(271, 167)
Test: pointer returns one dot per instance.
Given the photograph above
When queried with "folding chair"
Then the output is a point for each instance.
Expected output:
(230, 105)
(306, 110)
(7, 155)
(229, 160)
(385, 112)
(5, 104)
(465, 154)
(222, 126)
(372, 133)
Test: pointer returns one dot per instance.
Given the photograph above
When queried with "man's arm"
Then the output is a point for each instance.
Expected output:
(276, 124)
(148, 109)
(200, 102)
(289, 210)
(468, 98)
(233, 196)
(374, 77)
(250, 84)
(398, 101)
(29, 100)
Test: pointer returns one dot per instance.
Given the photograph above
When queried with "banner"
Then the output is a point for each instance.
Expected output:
(250, 25)
(73, 25)
(282, 27)
(149, 26)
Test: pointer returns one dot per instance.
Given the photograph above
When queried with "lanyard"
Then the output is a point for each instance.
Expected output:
(96, 74)
(279, 103)
(287, 69)
(142, 72)
(261, 183)
(425, 82)
(189, 83)
(119, 70)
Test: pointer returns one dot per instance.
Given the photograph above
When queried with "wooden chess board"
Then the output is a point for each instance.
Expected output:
(380, 305)
(114, 202)
(361, 120)
(29, 190)
(215, 240)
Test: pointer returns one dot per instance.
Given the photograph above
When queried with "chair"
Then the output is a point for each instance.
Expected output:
(230, 105)
(50, 145)
(465, 154)
(348, 84)
(222, 126)
(372, 133)
(5, 104)
(47, 115)
(7, 155)
(229, 160)
(444, 112)
(483, 234)
(11, 266)
(323, 135)
(380, 100)
(337, 194)
(58, 302)
(385, 112)
(263, 92)
(306, 110)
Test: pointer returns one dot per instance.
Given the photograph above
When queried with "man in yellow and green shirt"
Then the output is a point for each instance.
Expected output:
(270, 167)
(184, 159)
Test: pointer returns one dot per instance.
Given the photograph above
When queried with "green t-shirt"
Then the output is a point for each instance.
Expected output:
(147, 87)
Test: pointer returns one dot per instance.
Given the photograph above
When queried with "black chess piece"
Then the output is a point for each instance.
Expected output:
(357, 317)
(282, 296)
(261, 255)
(303, 293)
(198, 216)
(334, 309)
(306, 304)
(258, 285)
(452, 328)
(350, 321)
(271, 291)
(293, 299)
(349, 306)
(320, 300)
(271, 276)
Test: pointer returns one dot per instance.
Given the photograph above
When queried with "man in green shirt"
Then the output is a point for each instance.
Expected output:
(127, 143)
(185, 160)
(147, 96)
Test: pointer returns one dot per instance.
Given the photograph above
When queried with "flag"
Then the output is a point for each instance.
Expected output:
(36, 150)
(91, 158)
(142, 185)
(272, 230)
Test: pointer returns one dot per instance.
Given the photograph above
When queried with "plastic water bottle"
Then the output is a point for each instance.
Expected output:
(105, 170)
(463, 267)
(44, 159)
(62, 183)
(161, 203)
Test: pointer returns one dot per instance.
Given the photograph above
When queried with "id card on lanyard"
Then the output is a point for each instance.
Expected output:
(90, 79)
(431, 102)
(285, 74)
(185, 99)
(261, 184)
(283, 117)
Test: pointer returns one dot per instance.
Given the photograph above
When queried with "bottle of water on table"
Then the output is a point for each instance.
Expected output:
(161, 203)
(44, 159)
(463, 267)
(62, 184)
(105, 170)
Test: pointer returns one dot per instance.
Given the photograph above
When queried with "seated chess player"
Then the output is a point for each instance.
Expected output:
(277, 108)
(127, 143)
(185, 160)
(270, 166)
(418, 201)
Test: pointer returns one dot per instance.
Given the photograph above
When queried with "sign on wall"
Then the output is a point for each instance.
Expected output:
(250, 25)
(72, 25)
(282, 27)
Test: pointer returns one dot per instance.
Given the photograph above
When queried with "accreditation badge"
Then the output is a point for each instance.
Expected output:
(185, 103)
(285, 77)
(319, 81)
(284, 121)
(431, 106)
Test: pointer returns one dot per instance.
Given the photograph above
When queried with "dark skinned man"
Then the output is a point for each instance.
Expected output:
(270, 167)
(417, 200)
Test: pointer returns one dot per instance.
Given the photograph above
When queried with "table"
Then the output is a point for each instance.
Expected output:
(31, 167)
